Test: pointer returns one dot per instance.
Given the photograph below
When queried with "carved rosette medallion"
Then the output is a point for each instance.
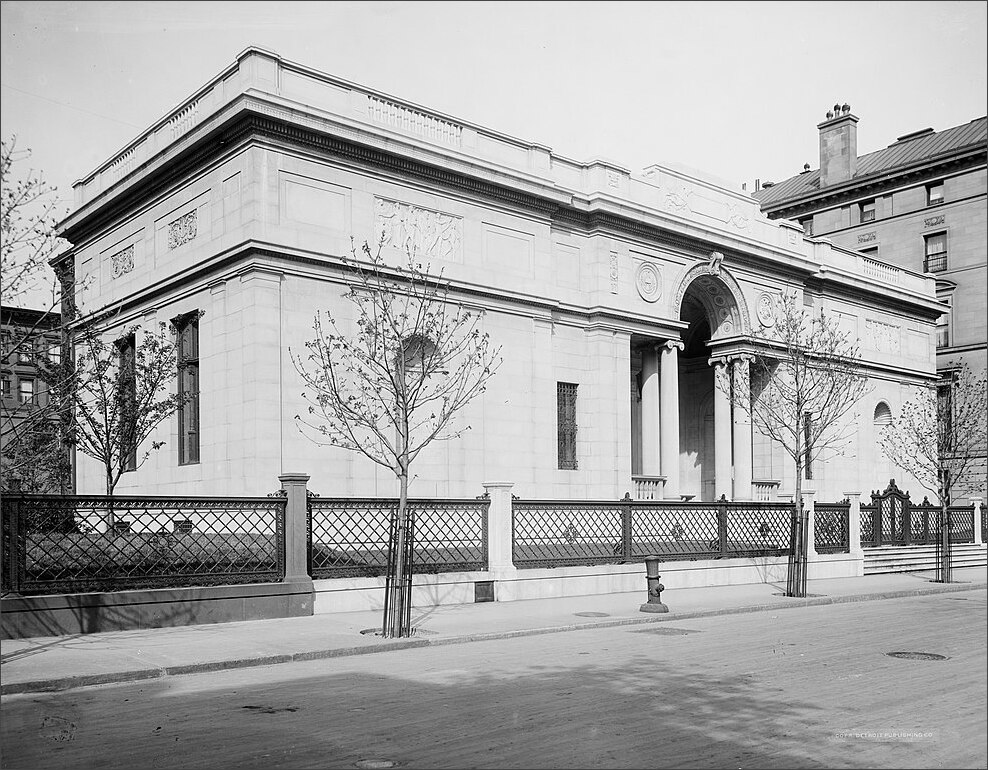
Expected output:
(765, 309)
(182, 230)
(122, 261)
(649, 282)
(415, 230)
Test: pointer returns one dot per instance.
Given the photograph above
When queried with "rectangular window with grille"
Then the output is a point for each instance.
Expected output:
(127, 399)
(807, 436)
(187, 328)
(566, 424)
(936, 253)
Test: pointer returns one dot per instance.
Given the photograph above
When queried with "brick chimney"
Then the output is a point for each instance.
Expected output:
(838, 146)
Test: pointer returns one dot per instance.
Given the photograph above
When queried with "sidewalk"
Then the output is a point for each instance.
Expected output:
(44, 664)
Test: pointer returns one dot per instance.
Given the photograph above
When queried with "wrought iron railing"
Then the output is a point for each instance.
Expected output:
(831, 527)
(69, 544)
(893, 519)
(552, 533)
(348, 537)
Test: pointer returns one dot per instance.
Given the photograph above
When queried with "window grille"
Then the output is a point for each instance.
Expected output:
(566, 424)
(936, 253)
(127, 397)
(187, 328)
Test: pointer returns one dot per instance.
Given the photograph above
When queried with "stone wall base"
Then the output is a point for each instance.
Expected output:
(66, 614)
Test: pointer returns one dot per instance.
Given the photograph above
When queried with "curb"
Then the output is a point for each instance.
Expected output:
(88, 680)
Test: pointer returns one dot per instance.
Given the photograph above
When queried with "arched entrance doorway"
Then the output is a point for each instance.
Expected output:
(712, 435)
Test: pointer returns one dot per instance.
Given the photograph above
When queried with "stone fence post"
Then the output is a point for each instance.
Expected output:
(499, 561)
(979, 536)
(808, 495)
(296, 527)
(854, 549)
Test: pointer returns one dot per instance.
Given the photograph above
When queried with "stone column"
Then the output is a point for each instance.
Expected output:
(741, 384)
(650, 411)
(669, 407)
(722, 430)
(499, 561)
(979, 536)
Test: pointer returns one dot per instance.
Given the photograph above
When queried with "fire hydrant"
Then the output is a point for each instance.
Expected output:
(655, 588)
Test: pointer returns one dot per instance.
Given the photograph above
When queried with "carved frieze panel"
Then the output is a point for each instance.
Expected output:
(182, 230)
(934, 221)
(614, 272)
(882, 337)
(122, 262)
(867, 237)
(423, 232)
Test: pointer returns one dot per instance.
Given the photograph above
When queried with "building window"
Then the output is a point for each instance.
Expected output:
(5, 388)
(936, 253)
(868, 211)
(25, 390)
(934, 193)
(127, 399)
(945, 405)
(566, 424)
(807, 438)
(187, 329)
(54, 352)
(943, 326)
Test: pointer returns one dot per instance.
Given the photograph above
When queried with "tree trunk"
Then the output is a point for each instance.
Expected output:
(397, 600)
(796, 577)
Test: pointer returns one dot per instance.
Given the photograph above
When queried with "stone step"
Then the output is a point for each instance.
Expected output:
(915, 558)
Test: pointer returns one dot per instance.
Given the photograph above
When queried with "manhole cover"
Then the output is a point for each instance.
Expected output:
(592, 614)
(917, 655)
(374, 764)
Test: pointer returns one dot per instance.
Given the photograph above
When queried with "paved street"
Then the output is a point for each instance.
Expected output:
(806, 688)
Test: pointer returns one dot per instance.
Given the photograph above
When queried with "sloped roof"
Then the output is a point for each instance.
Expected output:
(903, 153)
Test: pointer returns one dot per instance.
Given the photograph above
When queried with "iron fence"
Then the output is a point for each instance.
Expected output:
(348, 537)
(71, 544)
(893, 519)
(831, 527)
(552, 533)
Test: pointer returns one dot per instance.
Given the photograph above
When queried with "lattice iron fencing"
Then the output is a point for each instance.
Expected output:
(71, 544)
(349, 536)
(552, 533)
(831, 527)
(893, 519)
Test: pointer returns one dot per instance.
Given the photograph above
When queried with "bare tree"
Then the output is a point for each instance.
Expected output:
(941, 435)
(391, 386)
(800, 392)
(118, 390)
(28, 215)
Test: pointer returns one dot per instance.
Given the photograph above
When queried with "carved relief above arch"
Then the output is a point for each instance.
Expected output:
(721, 296)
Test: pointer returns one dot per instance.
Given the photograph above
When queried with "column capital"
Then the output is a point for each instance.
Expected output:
(735, 358)
(671, 345)
(718, 361)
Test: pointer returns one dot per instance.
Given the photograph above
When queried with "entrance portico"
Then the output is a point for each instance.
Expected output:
(692, 440)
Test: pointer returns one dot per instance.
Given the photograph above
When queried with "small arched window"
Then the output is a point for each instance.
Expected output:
(883, 415)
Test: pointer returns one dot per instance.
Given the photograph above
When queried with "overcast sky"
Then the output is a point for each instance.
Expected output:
(735, 89)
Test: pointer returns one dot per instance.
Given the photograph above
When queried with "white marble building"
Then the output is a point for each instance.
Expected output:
(629, 289)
